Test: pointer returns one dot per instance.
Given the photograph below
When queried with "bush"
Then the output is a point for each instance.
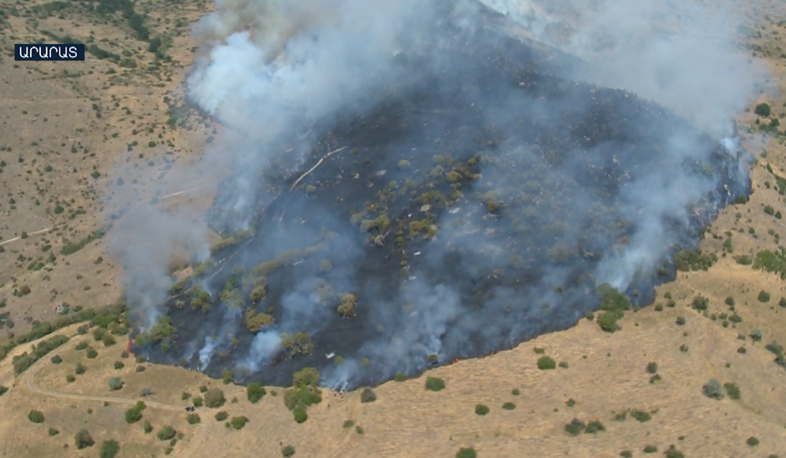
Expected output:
(109, 449)
(221, 416)
(680, 321)
(166, 433)
(652, 368)
(546, 363)
(119, 365)
(434, 384)
(214, 398)
(54, 431)
(287, 451)
(197, 401)
(56, 359)
(650, 449)
(764, 296)
(115, 383)
(36, 416)
(70, 378)
(732, 390)
(575, 427)
(367, 395)
(756, 335)
(752, 441)
(133, 415)
(594, 427)
(147, 427)
(481, 409)
(108, 340)
(193, 419)
(91, 353)
(83, 439)
(762, 110)
(466, 453)
(300, 414)
(239, 422)
(508, 406)
(700, 303)
(79, 369)
(255, 392)
(712, 389)
(641, 416)
(3, 390)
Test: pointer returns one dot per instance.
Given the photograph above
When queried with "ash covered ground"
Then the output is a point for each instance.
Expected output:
(472, 196)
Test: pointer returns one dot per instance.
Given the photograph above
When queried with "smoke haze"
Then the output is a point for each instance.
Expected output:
(528, 186)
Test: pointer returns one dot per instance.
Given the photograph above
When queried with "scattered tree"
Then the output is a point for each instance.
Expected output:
(36, 416)
(83, 439)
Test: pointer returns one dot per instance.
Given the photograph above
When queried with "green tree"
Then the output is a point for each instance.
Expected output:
(83, 439)
(36, 416)
(255, 392)
(109, 449)
(214, 398)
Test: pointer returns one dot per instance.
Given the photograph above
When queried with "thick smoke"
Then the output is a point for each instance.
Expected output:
(278, 74)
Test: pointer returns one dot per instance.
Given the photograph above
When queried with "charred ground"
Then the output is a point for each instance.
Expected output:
(465, 214)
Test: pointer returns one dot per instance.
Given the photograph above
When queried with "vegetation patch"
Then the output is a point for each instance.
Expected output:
(434, 384)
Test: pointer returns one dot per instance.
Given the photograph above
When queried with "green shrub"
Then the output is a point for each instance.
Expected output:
(91, 353)
(133, 415)
(197, 401)
(763, 110)
(466, 453)
(481, 409)
(367, 395)
(680, 321)
(594, 427)
(115, 383)
(508, 406)
(575, 427)
(70, 378)
(119, 365)
(652, 368)
(214, 398)
(640, 416)
(764, 296)
(287, 451)
(650, 449)
(673, 453)
(399, 377)
(700, 303)
(255, 392)
(732, 390)
(79, 369)
(83, 439)
(434, 384)
(752, 441)
(712, 389)
(147, 427)
(193, 418)
(546, 363)
(3, 390)
(166, 433)
(300, 414)
(109, 449)
(56, 359)
(239, 422)
(53, 431)
(221, 416)
(35, 416)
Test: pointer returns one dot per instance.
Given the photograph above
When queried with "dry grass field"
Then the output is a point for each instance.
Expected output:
(73, 134)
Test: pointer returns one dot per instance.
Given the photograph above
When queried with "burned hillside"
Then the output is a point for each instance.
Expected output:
(474, 203)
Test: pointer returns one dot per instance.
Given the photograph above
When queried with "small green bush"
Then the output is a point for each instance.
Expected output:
(147, 427)
(712, 389)
(641, 416)
(119, 365)
(166, 433)
(367, 395)
(594, 427)
(650, 449)
(508, 406)
(287, 451)
(214, 398)
(56, 359)
(115, 383)
(193, 418)
(109, 449)
(652, 368)
(221, 416)
(91, 353)
(752, 441)
(300, 414)
(36, 416)
(83, 439)
(764, 296)
(255, 392)
(481, 409)
(238, 422)
(434, 384)
(575, 427)
(466, 453)
(546, 363)
(399, 377)
(732, 390)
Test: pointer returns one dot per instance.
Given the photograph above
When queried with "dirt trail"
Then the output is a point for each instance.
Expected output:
(32, 387)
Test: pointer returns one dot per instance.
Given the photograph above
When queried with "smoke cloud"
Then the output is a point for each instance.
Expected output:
(468, 189)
